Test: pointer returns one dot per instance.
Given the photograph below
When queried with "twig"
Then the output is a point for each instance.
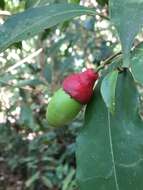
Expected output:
(3, 82)
(12, 85)
(26, 59)
(4, 13)
(103, 16)
(108, 61)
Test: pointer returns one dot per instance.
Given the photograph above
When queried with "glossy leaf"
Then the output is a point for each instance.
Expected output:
(32, 21)
(128, 20)
(137, 64)
(108, 87)
(110, 148)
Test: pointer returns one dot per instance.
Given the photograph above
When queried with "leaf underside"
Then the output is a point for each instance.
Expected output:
(110, 148)
(34, 20)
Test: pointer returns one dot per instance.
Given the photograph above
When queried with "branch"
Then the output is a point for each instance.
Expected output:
(13, 86)
(103, 16)
(26, 59)
(107, 61)
(5, 13)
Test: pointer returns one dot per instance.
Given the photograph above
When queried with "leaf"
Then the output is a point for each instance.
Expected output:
(102, 2)
(26, 116)
(73, 1)
(128, 20)
(137, 64)
(56, 46)
(35, 3)
(30, 82)
(32, 179)
(47, 72)
(4, 79)
(110, 148)
(67, 64)
(108, 87)
(67, 181)
(2, 4)
(47, 182)
(32, 21)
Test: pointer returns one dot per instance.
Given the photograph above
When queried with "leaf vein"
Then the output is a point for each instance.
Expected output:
(102, 177)
(112, 152)
(134, 164)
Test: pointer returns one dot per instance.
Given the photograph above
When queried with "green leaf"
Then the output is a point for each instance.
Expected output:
(32, 82)
(110, 147)
(26, 116)
(102, 2)
(47, 182)
(4, 79)
(67, 181)
(128, 20)
(36, 3)
(47, 72)
(2, 4)
(32, 21)
(73, 1)
(108, 88)
(137, 64)
(32, 179)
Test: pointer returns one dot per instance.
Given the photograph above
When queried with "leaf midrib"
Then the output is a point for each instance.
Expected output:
(112, 152)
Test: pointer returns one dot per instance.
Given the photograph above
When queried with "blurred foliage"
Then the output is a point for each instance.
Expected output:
(32, 155)
(41, 160)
